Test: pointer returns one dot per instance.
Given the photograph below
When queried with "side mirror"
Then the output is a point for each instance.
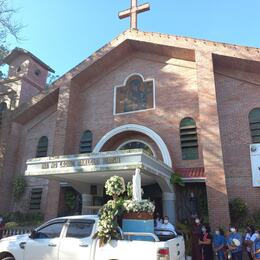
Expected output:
(34, 234)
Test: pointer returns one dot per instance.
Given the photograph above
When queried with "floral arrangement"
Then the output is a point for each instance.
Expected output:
(139, 206)
(122, 203)
(107, 225)
(115, 186)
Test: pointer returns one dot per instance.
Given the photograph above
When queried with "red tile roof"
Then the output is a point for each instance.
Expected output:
(197, 172)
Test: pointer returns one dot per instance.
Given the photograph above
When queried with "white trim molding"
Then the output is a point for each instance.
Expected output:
(141, 129)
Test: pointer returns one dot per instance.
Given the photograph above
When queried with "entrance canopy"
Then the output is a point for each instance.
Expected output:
(96, 168)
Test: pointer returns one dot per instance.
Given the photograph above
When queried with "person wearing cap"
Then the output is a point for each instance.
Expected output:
(249, 240)
(256, 246)
(234, 242)
(219, 244)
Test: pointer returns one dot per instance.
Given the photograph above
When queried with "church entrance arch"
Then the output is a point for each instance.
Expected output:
(141, 129)
(165, 196)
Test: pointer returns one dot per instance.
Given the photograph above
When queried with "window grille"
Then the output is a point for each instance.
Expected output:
(189, 139)
(254, 123)
(42, 147)
(86, 142)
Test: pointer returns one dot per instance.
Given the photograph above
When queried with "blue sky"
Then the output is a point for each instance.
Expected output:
(64, 32)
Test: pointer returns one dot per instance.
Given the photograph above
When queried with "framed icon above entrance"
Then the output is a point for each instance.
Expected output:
(136, 94)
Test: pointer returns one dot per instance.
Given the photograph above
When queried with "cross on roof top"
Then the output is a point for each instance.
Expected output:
(133, 11)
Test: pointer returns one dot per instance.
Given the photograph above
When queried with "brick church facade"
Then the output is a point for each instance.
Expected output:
(188, 102)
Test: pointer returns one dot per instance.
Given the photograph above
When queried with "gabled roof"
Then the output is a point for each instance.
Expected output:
(17, 51)
(178, 47)
(163, 44)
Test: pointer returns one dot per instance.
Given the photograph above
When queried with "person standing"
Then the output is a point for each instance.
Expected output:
(234, 242)
(196, 234)
(206, 243)
(158, 221)
(249, 240)
(256, 246)
(219, 244)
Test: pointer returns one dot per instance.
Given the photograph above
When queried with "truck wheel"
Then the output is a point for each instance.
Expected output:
(8, 258)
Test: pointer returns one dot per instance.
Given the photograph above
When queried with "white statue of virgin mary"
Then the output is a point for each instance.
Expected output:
(137, 190)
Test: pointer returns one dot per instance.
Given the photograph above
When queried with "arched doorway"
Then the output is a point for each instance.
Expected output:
(160, 191)
(140, 129)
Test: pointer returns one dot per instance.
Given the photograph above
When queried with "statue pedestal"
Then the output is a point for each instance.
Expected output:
(138, 222)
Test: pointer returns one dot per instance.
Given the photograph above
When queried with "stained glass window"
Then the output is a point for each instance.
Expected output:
(135, 95)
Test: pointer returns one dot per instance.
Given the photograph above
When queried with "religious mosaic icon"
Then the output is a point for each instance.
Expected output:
(136, 95)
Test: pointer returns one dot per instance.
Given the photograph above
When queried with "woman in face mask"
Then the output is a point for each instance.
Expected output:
(196, 233)
(206, 243)
(234, 242)
(256, 246)
(249, 240)
(219, 244)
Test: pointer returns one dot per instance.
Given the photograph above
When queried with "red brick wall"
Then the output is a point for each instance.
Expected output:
(236, 98)
(176, 98)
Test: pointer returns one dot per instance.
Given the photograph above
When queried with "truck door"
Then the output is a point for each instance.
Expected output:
(45, 245)
(77, 240)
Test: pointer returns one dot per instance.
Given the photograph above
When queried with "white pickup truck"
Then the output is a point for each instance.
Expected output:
(71, 238)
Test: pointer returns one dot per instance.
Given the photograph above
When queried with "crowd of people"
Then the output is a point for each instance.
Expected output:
(224, 245)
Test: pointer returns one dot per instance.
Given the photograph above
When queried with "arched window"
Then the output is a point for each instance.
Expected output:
(3, 108)
(136, 145)
(42, 147)
(86, 142)
(254, 123)
(189, 139)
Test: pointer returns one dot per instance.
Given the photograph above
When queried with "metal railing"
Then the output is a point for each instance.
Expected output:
(13, 232)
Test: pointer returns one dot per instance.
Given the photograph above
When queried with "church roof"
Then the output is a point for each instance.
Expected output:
(178, 47)
(18, 51)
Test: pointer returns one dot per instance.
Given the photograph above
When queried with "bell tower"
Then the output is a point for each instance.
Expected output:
(27, 76)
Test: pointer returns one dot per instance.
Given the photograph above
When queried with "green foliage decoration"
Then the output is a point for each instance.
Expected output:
(23, 219)
(129, 190)
(70, 200)
(176, 179)
(238, 211)
(11, 225)
(19, 187)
